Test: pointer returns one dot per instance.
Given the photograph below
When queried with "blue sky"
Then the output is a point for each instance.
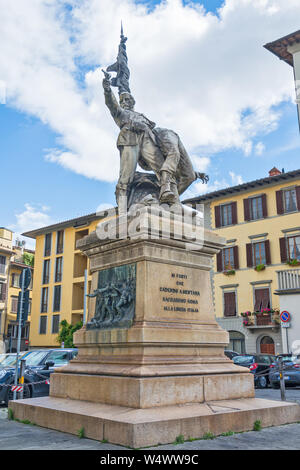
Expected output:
(33, 183)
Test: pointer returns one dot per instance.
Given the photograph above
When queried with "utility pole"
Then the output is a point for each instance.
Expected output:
(20, 309)
(23, 305)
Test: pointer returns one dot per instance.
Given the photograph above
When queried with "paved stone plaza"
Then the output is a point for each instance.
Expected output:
(18, 436)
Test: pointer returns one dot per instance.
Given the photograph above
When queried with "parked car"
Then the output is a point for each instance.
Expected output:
(229, 353)
(291, 371)
(39, 366)
(9, 359)
(259, 365)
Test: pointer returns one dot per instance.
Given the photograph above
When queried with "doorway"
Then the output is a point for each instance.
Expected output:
(267, 345)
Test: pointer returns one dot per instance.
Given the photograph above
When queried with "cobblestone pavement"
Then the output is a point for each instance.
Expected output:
(18, 436)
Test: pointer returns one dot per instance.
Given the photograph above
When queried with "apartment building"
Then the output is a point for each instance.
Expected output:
(260, 221)
(11, 266)
(6, 253)
(58, 288)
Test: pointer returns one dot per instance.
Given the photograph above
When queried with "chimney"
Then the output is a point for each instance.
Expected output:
(274, 172)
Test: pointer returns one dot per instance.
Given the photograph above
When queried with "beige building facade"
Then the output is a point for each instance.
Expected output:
(261, 223)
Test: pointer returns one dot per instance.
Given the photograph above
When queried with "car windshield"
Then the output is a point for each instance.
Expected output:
(289, 358)
(59, 358)
(9, 360)
(2, 357)
(34, 358)
(243, 359)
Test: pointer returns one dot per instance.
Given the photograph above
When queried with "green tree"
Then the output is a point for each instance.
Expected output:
(66, 332)
(28, 258)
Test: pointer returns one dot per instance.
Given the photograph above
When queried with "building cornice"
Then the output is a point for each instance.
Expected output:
(280, 47)
(245, 187)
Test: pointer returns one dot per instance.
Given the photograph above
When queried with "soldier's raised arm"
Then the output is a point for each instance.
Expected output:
(110, 99)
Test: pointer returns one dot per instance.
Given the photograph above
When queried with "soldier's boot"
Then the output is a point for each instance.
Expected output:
(122, 197)
(166, 195)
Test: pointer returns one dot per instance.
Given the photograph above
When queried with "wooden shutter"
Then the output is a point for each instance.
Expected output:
(283, 250)
(279, 202)
(219, 262)
(217, 216)
(229, 304)
(265, 298)
(258, 300)
(236, 257)
(234, 212)
(247, 209)
(268, 252)
(249, 253)
(264, 205)
(298, 197)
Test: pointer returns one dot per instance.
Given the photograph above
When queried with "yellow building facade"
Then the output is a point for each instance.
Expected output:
(58, 288)
(260, 221)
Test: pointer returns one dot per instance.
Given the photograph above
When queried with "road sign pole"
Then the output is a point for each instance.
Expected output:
(84, 297)
(20, 331)
(282, 383)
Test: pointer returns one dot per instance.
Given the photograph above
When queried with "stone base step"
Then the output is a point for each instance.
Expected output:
(160, 425)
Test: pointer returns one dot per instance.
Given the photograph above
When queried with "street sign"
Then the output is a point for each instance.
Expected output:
(25, 306)
(27, 278)
(285, 316)
(285, 324)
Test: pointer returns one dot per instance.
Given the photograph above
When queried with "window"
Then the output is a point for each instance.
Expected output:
(226, 214)
(229, 304)
(46, 271)
(294, 248)
(55, 324)
(228, 258)
(15, 280)
(14, 304)
(43, 325)
(44, 300)
(259, 253)
(255, 207)
(56, 298)
(58, 269)
(48, 238)
(2, 292)
(2, 264)
(289, 200)
(236, 342)
(262, 299)
(59, 242)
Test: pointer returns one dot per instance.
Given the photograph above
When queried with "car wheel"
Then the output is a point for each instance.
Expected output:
(275, 386)
(262, 382)
(10, 394)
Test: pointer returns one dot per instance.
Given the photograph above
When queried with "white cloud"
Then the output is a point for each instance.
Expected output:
(207, 77)
(33, 216)
(235, 179)
(259, 148)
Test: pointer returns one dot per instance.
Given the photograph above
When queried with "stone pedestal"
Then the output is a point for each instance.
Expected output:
(132, 379)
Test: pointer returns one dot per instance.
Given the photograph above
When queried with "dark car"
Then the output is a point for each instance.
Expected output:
(259, 365)
(290, 368)
(39, 365)
(229, 353)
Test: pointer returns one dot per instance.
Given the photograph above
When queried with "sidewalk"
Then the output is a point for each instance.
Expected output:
(19, 436)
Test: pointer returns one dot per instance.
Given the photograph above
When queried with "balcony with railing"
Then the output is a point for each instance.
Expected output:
(288, 280)
(267, 318)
